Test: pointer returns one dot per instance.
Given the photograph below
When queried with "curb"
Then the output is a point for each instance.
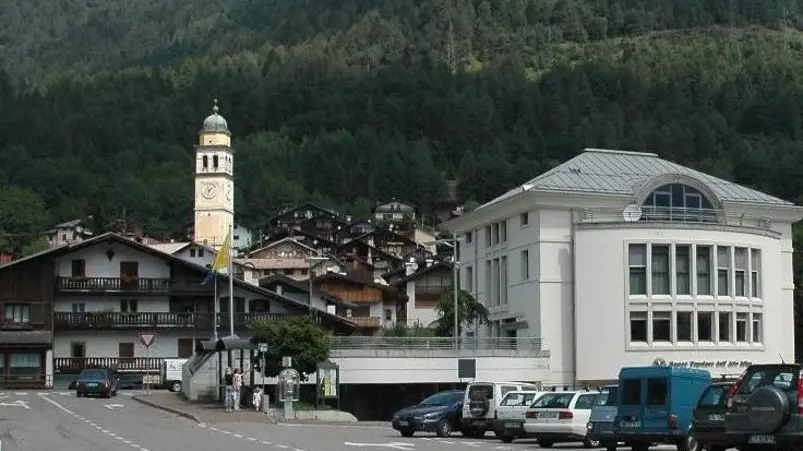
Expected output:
(167, 409)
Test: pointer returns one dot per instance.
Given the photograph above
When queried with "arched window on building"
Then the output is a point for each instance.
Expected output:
(214, 161)
(206, 162)
(677, 202)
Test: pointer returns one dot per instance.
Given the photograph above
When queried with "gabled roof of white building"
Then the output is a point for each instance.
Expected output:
(602, 171)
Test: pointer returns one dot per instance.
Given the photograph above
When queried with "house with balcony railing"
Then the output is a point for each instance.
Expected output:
(84, 304)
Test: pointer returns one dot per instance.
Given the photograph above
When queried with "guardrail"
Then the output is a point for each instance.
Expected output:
(671, 214)
(437, 343)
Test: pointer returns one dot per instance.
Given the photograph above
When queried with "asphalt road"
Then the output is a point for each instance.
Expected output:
(40, 421)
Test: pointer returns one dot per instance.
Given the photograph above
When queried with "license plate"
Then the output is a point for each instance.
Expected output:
(512, 424)
(547, 415)
(761, 439)
(404, 423)
(92, 384)
(631, 424)
(716, 417)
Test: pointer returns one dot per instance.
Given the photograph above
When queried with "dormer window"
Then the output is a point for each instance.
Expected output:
(677, 202)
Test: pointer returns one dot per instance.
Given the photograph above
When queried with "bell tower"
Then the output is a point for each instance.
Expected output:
(214, 181)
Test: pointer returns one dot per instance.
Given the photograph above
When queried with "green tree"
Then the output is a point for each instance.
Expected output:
(23, 217)
(469, 312)
(298, 337)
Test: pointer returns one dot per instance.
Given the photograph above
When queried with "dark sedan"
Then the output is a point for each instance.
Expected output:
(440, 413)
(708, 426)
(98, 382)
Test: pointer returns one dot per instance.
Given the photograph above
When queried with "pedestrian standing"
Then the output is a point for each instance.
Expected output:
(237, 380)
(228, 381)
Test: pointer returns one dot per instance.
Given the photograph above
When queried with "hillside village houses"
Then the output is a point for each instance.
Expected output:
(612, 258)
(82, 301)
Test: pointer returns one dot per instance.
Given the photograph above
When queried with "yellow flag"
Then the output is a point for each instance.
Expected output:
(223, 255)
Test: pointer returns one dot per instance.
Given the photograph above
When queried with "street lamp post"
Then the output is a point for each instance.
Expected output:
(452, 242)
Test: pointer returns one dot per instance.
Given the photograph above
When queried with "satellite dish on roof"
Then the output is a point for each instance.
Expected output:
(631, 213)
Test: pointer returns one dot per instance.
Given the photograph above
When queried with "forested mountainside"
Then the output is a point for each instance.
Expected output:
(352, 101)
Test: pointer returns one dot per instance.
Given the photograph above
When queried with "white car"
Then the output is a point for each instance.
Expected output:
(509, 421)
(557, 417)
(481, 401)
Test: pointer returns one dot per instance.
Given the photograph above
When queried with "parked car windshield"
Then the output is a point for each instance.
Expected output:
(518, 399)
(92, 375)
(714, 396)
(443, 399)
(607, 398)
(554, 401)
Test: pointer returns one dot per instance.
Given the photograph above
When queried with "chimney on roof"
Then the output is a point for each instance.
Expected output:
(410, 267)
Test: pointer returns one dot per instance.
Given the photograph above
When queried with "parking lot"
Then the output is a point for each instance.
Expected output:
(36, 421)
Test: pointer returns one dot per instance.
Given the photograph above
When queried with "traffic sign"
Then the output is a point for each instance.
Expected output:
(263, 347)
(146, 338)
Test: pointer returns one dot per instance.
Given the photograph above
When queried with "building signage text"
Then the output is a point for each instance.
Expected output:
(711, 363)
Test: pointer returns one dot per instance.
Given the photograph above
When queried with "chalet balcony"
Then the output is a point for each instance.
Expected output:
(142, 285)
(120, 320)
(122, 364)
(366, 321)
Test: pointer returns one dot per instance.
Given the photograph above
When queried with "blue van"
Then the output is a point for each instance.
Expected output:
(656, 405)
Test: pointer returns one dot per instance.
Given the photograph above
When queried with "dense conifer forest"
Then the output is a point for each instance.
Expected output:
(346, 102)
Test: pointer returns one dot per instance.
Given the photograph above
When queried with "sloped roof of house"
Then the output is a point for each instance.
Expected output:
(603, 171)
(113, 237)
(282, 240)
(170, 248)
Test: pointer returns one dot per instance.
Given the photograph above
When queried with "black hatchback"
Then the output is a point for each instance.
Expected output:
(98, 382)
(708, 425)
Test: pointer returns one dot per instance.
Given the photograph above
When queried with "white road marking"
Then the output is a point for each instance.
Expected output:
(21, 393)
(396, 445)
(201, 425)
(17, 403)
(297, 449)
(112, 406)
(86, 420)
(226, 432)
(213, 429)
(238, 435)
(59, 406)
(282, 446)
(252, 439)
(263, 442)
(345, 425)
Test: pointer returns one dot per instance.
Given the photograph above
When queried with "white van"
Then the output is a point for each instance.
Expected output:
(480, 403)
(172, 374)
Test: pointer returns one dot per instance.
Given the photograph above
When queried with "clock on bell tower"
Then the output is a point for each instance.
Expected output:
(214, 181)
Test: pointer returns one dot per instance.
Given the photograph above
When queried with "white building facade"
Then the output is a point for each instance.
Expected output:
(621, 258)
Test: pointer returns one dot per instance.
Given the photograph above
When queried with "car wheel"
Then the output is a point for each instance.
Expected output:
(545, 443)
(640, 446)
(590, 444)
(507, 438)
(176, 387)
(444, 428)
(78, 394)
(688, 444)
(407, 432)
(612, 446)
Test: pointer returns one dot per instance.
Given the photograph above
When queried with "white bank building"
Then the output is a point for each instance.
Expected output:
(620, 258)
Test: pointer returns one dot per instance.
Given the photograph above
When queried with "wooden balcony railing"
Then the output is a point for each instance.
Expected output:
(76, 364)
(111, 284)
(109, 320)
